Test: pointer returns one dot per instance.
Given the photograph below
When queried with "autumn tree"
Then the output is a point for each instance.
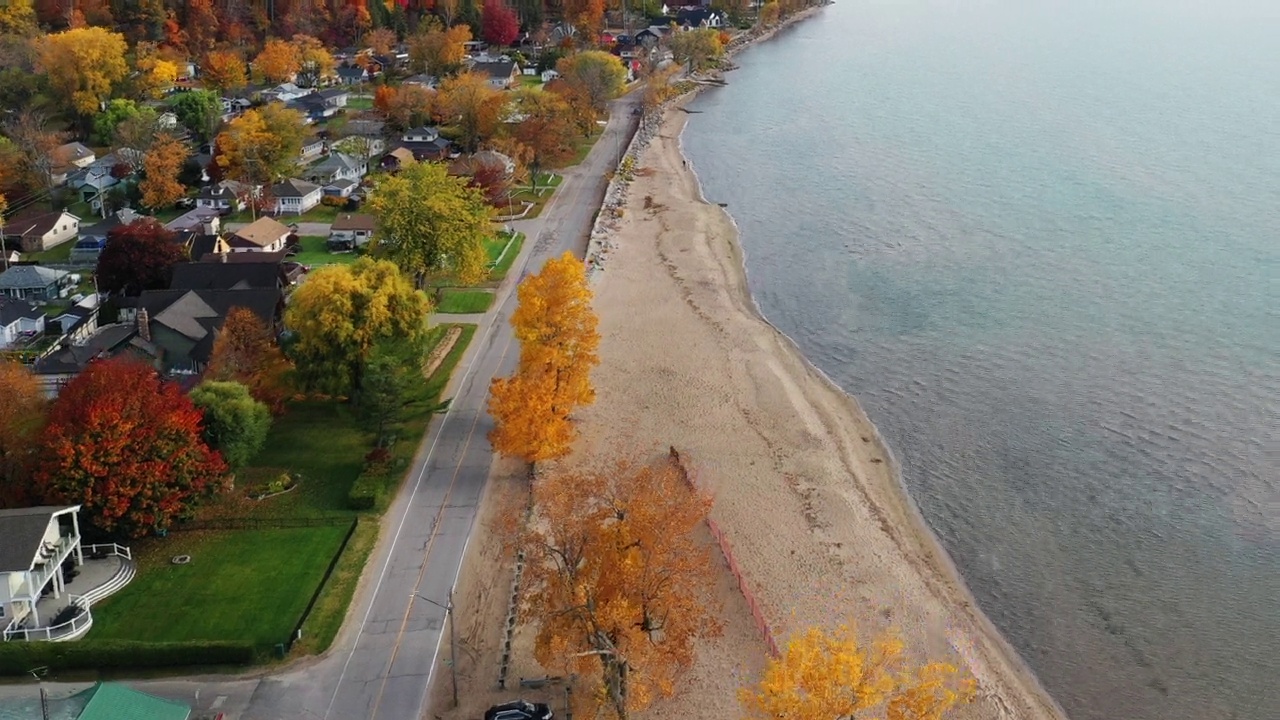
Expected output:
(18, 17)
(138, 256)
(473, 106)
(224, 71)
(31, 160)
(619, 585)
(315, 61)
(246, 352)
(501, 27)
(405, 106)
(769, 14)
(439, 51)
(201, 27)
(381, 41)
(162, 164)
(556, 328)
(278, 62)
(821, 676)
(342, 312)
(155, 73)
(22, 409)
(235, 424)
(127, 447)
(262, 145)
(699, 47)
(84, 65)
(431, 223)
(545, 128)
(592, 78)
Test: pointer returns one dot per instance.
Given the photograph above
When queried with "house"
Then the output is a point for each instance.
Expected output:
(94, 238)
(502, 73)
(337, 167)
(66, 159)
(365, 127)
(425, 143)
(334, 97)
(700, 17)
(178, 327)
(294, 196)
(261, 235)
(312, 148)
(351, 231)
(34, 282)
(197, 219)
(283, 93)
(353, 75)
(396, 159)
(360, 146)
(227, 196)
(430, 82)
(76, 323)
(549, 75)
(113, 701)
(320, 104)
(48, 580)
(61, 366)
(20, 322)
(37, 232)
(653, 35)
(225, 275)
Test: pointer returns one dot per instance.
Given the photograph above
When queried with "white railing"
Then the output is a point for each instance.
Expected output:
(109, 548)
(74, 627)
(52, 564)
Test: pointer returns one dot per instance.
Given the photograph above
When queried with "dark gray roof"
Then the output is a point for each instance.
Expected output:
(23, 532)
(496, 68)
(115, 220)
(199, 314)
(73, 358)
(11, 310)
(351, 72)
(226, 276)
(293, 187)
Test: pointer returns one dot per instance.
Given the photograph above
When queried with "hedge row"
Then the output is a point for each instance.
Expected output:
(369, 491)
(19, 658)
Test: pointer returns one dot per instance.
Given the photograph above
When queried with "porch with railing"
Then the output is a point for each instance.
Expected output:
(107, 568)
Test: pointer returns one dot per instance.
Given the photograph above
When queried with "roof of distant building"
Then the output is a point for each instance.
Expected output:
(354, 221)
(34, 224)
(30, 277)
(23, 532)
(262, 232)
(226, 276)
(293, 187)
(112, 701)
(12, 310)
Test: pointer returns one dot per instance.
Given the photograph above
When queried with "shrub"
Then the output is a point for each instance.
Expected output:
(368, 491)
(17, 658)
(331, 201)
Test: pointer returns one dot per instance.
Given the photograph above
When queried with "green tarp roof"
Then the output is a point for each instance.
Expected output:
(109, 701)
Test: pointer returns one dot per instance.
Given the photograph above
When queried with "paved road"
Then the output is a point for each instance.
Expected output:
(382, 664)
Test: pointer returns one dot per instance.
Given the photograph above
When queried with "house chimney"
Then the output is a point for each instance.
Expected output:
(144, 324)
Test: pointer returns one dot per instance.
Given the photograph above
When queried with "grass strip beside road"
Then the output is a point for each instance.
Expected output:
(460, 301)
(326, 617)
(240, 585)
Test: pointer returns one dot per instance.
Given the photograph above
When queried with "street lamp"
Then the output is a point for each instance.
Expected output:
(453, 641)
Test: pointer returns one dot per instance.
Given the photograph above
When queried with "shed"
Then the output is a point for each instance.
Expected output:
(113, 701)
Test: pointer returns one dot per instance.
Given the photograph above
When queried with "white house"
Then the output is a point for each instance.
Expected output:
(284, 93)
(225, 197)
(41, 231)
(351, 231)
(294, 196)
(312, 148)
(338, 174)
(40, 561)
(261, 235)
(502, 73)
(20, 321)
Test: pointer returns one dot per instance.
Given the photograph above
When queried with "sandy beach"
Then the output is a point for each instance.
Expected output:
(804, 489)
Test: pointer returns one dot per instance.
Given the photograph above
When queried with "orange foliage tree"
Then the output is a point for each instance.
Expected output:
(127, 446)
(224, 70)
(618, 583)
(556, 327)
(381, 41)
(162, 163)
(22, 408)
(246, 352)
(473, 106)
(823, 675)
(278, 62)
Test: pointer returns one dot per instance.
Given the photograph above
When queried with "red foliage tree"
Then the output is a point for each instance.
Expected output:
(500, 24)
(492, 180)
(138, 256)
(127, 446)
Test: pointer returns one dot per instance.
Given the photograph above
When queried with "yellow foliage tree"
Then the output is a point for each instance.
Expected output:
(826, 676)
(262, 145)
(618, 583)
(162, 164)
(436, 51)
(278, 62)
(473, 106)
(556, 327)
(314, 60)
(18, 17)
(155, 73)
(83, 65)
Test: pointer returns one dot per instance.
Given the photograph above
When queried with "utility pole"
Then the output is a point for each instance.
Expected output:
(453, 639)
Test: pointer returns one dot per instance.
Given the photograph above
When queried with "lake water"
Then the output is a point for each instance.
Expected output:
(1040, 241)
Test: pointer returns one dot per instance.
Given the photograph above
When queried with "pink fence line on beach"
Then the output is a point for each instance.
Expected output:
(762, 625)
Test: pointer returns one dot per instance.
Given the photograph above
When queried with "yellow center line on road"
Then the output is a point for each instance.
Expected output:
(435, 532)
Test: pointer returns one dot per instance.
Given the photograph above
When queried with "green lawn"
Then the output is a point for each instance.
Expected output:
(315, 251)
(458, 300)
(360, 102)
(57, 254)
(242, 585)
(531, 81)
(318, 214)
(547, 184)
(584, 146)
(502, 261)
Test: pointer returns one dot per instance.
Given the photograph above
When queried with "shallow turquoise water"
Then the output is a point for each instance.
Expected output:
(1040, 241)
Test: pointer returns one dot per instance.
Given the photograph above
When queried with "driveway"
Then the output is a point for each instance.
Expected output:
(383, 662)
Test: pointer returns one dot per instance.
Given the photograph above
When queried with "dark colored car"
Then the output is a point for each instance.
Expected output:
(519, 710)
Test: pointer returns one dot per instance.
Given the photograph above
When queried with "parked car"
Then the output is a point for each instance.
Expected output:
(519, 710)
